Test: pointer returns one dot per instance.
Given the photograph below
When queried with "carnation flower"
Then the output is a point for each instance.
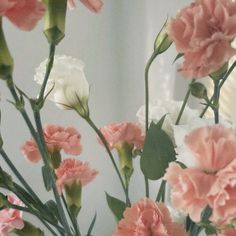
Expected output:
(189, 188)
(117, 134)
(23, 14)
(170, 108)
(214, 147)
(92, 5)
(11, 219)
(72, 170)
(204, 31)
(57, 138)
(227, 232)
(147, 217)
(221, 196)
(67, 84)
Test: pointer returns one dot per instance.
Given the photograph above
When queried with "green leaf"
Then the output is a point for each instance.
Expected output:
(116, 206)
(53, 209)
(162, 42)
(179, 55)
(206, 213)
(158, 152)
(92, 225)
(47, 177)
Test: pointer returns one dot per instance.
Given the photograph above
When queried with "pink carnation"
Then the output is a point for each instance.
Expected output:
(147, 217)
(92, 5)
(57, 138)
(118, 133)
(71, 170)
(189, 189)
(11, 219)
(214, 147)
(228, 232)
(221, 196)
(204, 31)
(23, 13)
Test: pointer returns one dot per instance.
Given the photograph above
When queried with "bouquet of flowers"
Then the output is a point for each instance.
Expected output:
(191, 154)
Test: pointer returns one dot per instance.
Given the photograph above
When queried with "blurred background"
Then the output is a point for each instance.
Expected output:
(115, 46)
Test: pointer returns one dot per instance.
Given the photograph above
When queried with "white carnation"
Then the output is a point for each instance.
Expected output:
(170, 108)
(67, 81)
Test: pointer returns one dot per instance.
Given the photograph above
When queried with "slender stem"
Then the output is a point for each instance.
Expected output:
(149, 63)
(216, 101)
(48, 70)
(221, 84)
(161, 193)
(183, 105)
(45, 156)
(100, 135)
(20, 177)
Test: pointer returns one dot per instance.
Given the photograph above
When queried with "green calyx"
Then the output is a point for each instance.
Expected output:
(6, 61)
(54, 23)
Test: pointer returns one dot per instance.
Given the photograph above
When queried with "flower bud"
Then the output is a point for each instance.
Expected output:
(198, 90)
(125, 158)
(6, 61)
(29, 230)
(55, 17)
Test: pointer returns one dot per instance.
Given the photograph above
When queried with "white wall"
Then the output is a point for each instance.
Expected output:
(115, 46)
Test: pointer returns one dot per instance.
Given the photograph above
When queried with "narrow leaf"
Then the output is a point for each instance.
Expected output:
(179, 55)
(92, 225)
(116, 206)
(46, 172)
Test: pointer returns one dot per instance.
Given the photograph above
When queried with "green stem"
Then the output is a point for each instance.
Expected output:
(221, 84)
(216, 101)
(184, 105)
(48, 71)
(20, 178)
(45, 156)
(161, 193)
(100, 135)
(149, 63)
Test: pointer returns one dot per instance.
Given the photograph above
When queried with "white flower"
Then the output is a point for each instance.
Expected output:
(70, 89)
(170, 108)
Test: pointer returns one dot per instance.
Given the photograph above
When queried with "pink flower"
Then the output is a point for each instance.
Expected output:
(214, 147)
(11, 219)
(203, 31)
(189, 189)
(221, 196)
(147, 217)
(23, 13)
(57, 138)
(228, 232)
(30, 151)
(67, 139)
(71, 170)
(118, 133)
(92, 5)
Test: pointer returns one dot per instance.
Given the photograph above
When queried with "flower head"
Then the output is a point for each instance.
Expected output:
(23, 14)
(67, 84)
(204, 31)
(147, 217)
(11, 219)
(221, 196)
(72, 170)
(57, 138)
(214, 146)
(117, 134)
(189, 188)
